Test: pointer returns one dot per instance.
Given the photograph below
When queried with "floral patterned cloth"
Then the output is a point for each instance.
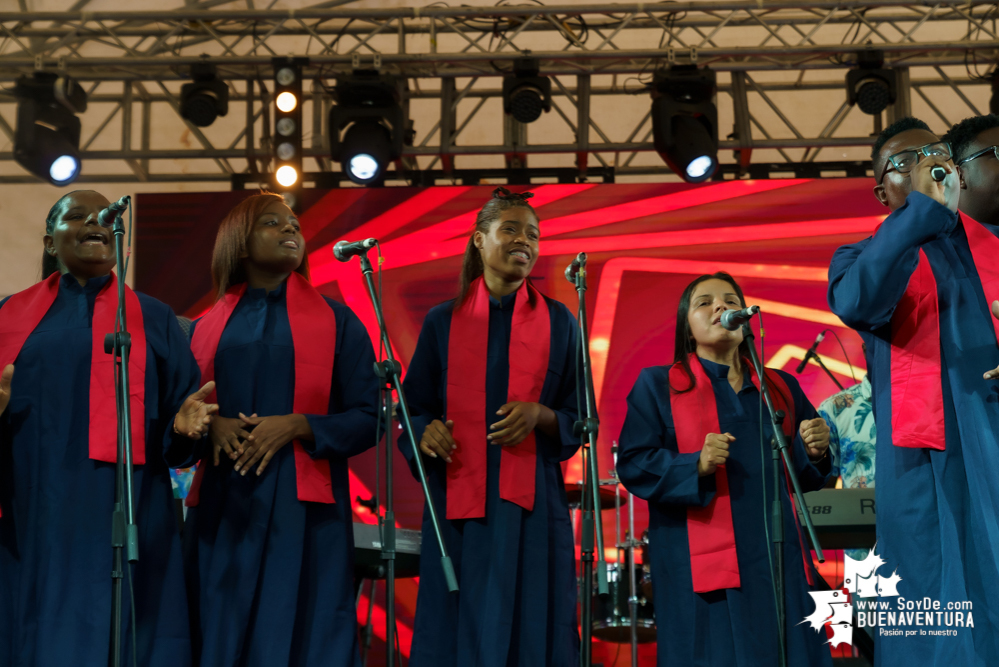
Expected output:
(850, 416)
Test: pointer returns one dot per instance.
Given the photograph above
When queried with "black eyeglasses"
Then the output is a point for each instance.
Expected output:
(904, 161)
(991, 149)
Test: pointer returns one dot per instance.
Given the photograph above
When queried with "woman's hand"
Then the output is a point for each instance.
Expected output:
(714, 452)
(815, 435)
(437, 441)
(5, 379)
(195, 415)
(269, 435)
(228, 434)
(520, 419)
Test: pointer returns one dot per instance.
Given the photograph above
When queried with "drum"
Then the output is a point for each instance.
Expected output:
(612, 614)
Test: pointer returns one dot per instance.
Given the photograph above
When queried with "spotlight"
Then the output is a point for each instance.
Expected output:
(869, 86)
(287, 176)
(525, 94)
(287, 102)
(685, 121)
(288, 125)
(47, 139)
(206, 98)
(367, 127)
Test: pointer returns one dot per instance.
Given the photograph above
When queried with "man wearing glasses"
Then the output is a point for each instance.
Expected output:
(918, 292)
(974, 141)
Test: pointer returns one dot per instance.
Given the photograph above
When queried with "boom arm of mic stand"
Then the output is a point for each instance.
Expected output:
(448, 567)
(832, 377)
(590, 427)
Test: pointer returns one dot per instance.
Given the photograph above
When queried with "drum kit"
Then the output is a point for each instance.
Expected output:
(625, 614)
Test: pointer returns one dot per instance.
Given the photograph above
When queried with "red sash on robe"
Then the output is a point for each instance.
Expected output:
(530, 342)
(21, 315)
(714, 564)
(313, 334)
(917, 412)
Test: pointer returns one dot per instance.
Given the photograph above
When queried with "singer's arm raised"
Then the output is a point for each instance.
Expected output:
(867, 279)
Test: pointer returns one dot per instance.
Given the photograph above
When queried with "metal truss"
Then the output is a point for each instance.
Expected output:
(781, 89)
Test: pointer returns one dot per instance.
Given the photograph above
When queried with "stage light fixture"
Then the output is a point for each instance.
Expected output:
(367, 127)
(525, 94)
(287, 176)
(287, 102)
(47, 138)
(869, 85)
(288, 126)
(685, 121)
(206, 98)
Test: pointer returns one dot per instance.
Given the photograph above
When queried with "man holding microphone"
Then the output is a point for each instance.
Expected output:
(918, 291)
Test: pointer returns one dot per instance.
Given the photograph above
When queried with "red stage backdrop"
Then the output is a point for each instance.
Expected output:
(645, 242)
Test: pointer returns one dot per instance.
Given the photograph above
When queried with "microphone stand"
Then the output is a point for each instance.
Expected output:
(780, 450)
(818, 360)
(389, 371)
(587, 428)
(124, 532)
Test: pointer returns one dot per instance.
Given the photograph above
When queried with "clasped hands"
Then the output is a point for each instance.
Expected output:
(814, 434)
(249, 439)
(519, 420)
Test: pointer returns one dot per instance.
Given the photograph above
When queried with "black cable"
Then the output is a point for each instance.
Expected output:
(853, 373)
(131, 597)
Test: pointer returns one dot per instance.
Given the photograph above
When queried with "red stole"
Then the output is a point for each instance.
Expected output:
(24, 311)
(917, 413)
(714, 564)
(21, 315)
(530, 341)
(313, 333)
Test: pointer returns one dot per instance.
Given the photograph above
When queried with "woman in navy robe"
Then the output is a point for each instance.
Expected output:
(57, 451)
(734, 626)
(513, 550)
(269, 544)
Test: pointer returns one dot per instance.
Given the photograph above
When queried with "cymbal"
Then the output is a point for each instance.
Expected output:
(574, 494)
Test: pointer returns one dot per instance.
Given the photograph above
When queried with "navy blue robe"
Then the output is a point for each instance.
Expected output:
(735, 627)
(515, 569)
(936, 509)
(55, 533)
(270, 576)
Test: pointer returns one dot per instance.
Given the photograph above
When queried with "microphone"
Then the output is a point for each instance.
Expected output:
(938, 173)
(574, 267)
(811, 350)
(733, 319)
(344, 250)
(107, 216)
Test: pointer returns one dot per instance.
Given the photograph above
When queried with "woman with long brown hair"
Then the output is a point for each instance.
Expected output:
(58, 453)
(492, 386)
(693, 445)
(269, 538)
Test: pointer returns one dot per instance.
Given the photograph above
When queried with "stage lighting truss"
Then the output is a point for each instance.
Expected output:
(685, 121)
(287, 139)
(772, 62)
(367, 125)
(47, 138)
(525, 94)
(871, 87)
(206, 97)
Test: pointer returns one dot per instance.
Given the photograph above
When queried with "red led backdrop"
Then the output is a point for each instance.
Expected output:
(645, 242)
